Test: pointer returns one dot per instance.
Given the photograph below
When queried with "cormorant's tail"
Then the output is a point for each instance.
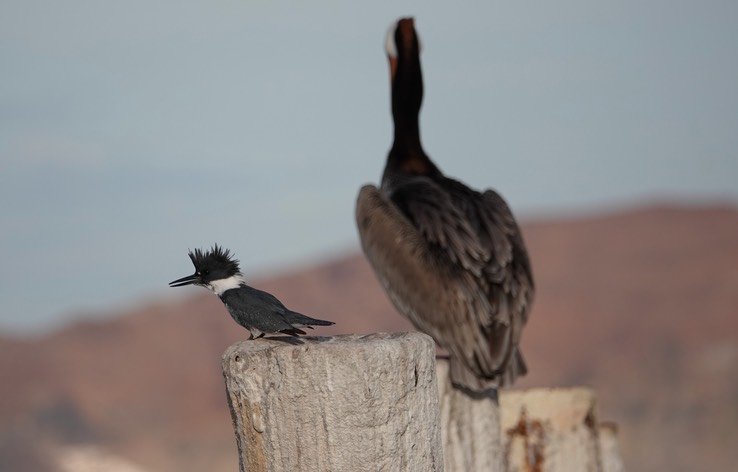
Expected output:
(462, 376)
(516, 368)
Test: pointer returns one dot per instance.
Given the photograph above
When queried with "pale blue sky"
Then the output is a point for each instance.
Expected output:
(132, 131)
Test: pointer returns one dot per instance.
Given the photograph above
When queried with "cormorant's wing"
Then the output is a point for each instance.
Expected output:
(441, 257)
(506, 280)
(441, 222)
(439, 301)
(511, 272)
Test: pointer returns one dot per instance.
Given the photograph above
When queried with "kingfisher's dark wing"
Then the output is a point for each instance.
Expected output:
(258, 310)
(289, 316)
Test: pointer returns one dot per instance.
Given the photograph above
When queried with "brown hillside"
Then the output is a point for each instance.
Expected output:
(640, 305)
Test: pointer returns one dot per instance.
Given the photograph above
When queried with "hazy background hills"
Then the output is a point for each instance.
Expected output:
(641, 305)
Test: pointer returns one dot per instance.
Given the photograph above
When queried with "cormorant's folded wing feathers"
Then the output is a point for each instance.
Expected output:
(435, 214)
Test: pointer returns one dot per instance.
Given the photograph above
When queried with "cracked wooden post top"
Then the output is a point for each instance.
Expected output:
(338, 403)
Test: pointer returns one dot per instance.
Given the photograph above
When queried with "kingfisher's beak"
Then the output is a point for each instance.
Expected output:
(190, 279)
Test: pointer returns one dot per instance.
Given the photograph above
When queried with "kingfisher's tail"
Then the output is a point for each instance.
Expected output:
(298, 319)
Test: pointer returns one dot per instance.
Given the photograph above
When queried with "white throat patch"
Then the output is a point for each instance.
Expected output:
(222, 285)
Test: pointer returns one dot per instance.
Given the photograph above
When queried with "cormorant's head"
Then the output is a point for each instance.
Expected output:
(406, 77)
(215, 265)
(402, 43)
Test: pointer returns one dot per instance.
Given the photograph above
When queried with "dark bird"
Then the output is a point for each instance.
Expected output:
(259, 312)
(451, 259)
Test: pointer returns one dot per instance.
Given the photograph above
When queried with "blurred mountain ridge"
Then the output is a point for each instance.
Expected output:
(640, 304)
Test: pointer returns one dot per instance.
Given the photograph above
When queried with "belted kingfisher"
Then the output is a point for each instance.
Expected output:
(259, 312)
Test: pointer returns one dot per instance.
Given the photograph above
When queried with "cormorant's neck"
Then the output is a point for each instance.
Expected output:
(407, 97)
(407, 152)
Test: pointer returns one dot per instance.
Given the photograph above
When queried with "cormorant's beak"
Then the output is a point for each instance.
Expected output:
(190, 279)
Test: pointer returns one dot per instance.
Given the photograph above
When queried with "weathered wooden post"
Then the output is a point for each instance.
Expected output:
(470, 427)
(343, 403)
(609, 448)
(551, 430)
